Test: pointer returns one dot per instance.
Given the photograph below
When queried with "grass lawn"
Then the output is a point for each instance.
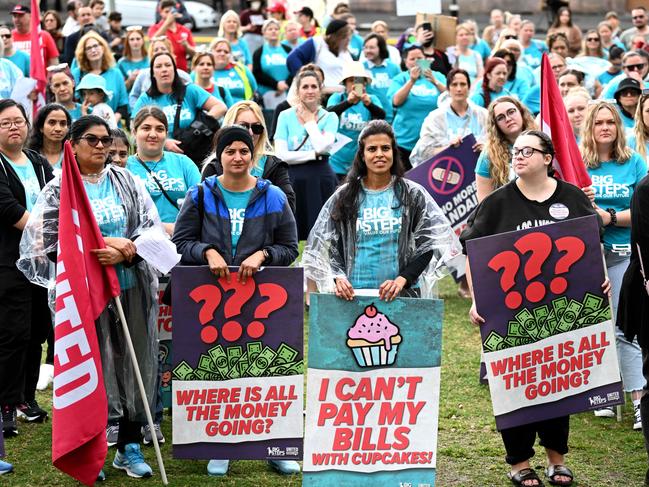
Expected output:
(470, 452)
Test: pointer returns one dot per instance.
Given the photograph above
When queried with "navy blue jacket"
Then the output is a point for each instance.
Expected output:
(268, 224)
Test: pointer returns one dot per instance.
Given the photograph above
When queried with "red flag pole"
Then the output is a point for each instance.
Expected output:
(140, 384)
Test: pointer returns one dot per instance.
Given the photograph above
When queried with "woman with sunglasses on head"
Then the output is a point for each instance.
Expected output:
(94, 56)
(166, 175)
(402, 252)
(121, 216)
(563, 24)
(506, 35)
(167, 90)
(506, 119)
(615, 171)
(247, 114)
(240, 220)
(60, 83)
(531, 197)
(49, 132)
(134, 59)
(233, 76)
(493, 83)
(25, 320)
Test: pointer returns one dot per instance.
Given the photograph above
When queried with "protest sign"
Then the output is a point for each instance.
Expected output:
(164, 343)
(548, 337)
(237, 389)
(449, 177)
(372, 395)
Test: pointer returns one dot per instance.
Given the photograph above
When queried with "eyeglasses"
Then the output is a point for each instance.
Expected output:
(93, 140)
(526, 152)
(6, 124)
(508, 114)
(635, 67)
(255, 128)
(510, 37)
(93, 47)
(592, 39)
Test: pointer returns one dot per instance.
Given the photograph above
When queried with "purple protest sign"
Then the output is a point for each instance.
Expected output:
(237, 363)
(449, 177)
(548, 337)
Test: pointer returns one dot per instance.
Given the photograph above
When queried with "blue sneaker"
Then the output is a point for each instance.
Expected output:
(216, 468)
(5, 467)
(286, 467)
(132, 461)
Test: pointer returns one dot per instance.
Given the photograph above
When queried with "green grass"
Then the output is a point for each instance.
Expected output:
(470, 452)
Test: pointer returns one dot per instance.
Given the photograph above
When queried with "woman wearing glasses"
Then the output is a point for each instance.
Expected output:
(615, 170)
(531, 197)
(134, 59)
(16, 56)
(24, 317)
(506, 119)
(118, 207)
(94, 56)
(247, 114)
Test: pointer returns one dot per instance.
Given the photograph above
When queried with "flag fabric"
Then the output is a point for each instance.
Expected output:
(37, 63)
(567, 162)
(83, 289)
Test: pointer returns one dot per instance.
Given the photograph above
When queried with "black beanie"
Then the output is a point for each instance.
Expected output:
(232, 133)
(334, 26)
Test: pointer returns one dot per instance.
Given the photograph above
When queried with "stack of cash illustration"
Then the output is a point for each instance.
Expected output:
(548, 320)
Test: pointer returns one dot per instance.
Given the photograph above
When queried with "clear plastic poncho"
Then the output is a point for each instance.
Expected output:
(331, 246)
(139, 298)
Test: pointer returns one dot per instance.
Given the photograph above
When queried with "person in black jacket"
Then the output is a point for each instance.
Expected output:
(24, 315)
(269, 66)
(248, 115)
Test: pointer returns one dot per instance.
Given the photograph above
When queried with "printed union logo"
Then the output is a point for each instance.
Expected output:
(405, 484)
(613, 396)
(597, 400)
(276, 451)
(292, 451)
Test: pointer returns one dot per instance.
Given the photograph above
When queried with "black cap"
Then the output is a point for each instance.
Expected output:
(305, 11)
(627, 84)
(335, 25)
(20, 10)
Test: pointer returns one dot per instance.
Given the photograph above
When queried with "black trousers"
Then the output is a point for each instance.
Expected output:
(129, 431)
(25, 321)
(519, 441)
(644, 402)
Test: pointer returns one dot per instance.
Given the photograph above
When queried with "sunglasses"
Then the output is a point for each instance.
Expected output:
(629, 93)
(637, 17)
(93, 140)
(510, 37)
(255, 128)
(634, 67)
(58, 67)
(6, 36)
(133, 28)
(592, 39)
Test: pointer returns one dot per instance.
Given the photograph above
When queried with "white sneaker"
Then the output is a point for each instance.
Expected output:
(45, 376)
(605, 412)
(637, 418)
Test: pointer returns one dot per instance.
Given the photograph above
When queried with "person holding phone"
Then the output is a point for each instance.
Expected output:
(414, 95)
(355, 108)
(426, 39)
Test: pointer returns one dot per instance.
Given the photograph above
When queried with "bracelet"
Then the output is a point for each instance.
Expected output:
(613, 214)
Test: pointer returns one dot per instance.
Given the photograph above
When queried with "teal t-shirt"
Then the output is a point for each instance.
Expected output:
(22, 60)
(482, 48)
(351, 122)
(27, 176)
(237, 202)
(377, 239)
(75, 113)
(176, 174)
(233, 81)
(483, 166)
(292, 131)
(478, 97)
(355, 47)
(110, 214)
(606, 77)
(409, 117)
(614, 185)
(382, 76)
(532, 55)
(273, 63)
(257, 170)
(241, 52)
(127, 67)
(195, 98)
(114, 84)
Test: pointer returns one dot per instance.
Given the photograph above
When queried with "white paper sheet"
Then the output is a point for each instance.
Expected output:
(154, 247)
(341, 141)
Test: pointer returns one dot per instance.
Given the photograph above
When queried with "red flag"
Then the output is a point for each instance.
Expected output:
(37, 63)
(79, 409)
(554, 121)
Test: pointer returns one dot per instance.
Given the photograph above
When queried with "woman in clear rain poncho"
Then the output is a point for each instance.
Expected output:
(117, 204)
(378, 230)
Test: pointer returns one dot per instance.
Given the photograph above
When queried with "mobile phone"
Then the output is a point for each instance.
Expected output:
(174, 10)
(358, 89)
(427, 26)
(423, 64)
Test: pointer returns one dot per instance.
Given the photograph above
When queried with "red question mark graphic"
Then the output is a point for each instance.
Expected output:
(269, 423)
(510, 262)
(574, 248)
(212, 297)
(277, 297)
(540, 245)
(585, 374)
(232, 330)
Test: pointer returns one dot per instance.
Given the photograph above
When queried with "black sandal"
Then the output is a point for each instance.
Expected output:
(559, 470)
(525, 475)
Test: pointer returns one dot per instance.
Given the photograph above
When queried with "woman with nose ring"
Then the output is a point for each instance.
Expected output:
(50, 131)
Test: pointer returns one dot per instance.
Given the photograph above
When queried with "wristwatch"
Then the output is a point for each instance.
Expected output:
(266, 256)
(613, 214)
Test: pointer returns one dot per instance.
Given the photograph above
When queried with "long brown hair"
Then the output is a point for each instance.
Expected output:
(641, 130)
(588, 147)
(335, 40)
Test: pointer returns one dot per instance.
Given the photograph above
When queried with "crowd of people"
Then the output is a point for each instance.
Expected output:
(311, 129)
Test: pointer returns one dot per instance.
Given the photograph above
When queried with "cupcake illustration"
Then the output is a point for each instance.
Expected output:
(373, 339)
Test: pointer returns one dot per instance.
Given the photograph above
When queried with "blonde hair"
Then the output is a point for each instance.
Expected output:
(107, 60)
(599, 52)
(501, 38)
(641, 130)
(166, 42)
(226, 16)
(497, 146)
(263, 147)
(588, 147)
